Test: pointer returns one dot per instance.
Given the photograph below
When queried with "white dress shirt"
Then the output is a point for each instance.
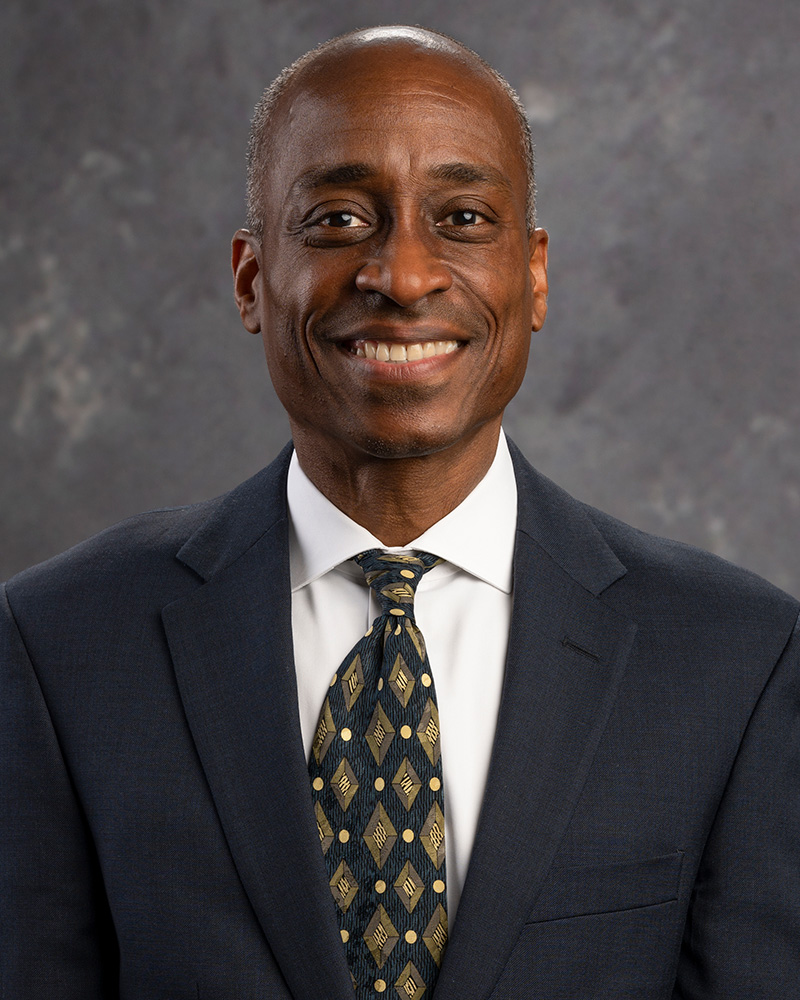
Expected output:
(463, 607)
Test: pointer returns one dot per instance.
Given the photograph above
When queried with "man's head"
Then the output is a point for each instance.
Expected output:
(393, 273)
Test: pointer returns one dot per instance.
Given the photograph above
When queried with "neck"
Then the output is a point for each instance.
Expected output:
(397, 499)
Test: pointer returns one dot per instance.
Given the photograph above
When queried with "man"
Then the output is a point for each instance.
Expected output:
(619, 714)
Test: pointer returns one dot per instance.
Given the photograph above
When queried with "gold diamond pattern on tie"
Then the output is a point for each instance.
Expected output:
(343, 886)
(400, 593)
(380, 835)
(380, 733)
(323, 828)
(353, 682)
(324, 734)
(435, 934)
(428, 732)
(410, 985)
(409, 886)
(378, 798)
(432, 835)
(344, 783)
(406, 783)
(415, 636)
(381, 936)
(401, 681)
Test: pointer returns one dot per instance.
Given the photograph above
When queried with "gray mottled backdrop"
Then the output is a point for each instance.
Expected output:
(664, 387)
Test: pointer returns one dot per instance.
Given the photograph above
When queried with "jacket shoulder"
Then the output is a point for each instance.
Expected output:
(154, 557)
(677, 578)
(646, 577)
(134, 557)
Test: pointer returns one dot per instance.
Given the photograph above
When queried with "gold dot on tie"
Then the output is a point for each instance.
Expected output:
(396, 611)
(380, 886)
(408, 836)
(333, 680)
(380, 684)
(405, 732)
(426, 680)
(346, 735)
(345, 935)
(380, 986)
(411, 937)
(368, 632)
(438, 885)
(435, 784)
(344, 836)
(407, 573)
(318, 784)
(398, 630)
(380, 784)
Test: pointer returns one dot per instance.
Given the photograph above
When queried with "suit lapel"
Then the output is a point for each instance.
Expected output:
(567, 654)
(231, 645)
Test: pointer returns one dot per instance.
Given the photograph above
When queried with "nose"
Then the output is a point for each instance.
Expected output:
(405, 270)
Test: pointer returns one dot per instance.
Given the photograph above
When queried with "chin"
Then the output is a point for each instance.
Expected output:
(412, 442)
(382, 448)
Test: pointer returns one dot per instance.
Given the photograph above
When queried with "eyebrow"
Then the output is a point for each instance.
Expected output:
(352, 173)
(470, 173)
(345, 173)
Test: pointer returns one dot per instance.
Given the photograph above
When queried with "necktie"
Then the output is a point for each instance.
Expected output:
(376, 778)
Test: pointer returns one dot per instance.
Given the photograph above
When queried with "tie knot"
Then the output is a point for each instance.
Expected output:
(394, 577)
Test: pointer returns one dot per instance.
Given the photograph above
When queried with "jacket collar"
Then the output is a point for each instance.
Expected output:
(238, 520)
(547, 515)
(562, 528)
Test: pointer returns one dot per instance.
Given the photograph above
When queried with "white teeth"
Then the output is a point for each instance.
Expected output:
(379, 350)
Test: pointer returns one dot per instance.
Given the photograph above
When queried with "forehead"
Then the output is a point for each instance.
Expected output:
(398, 106)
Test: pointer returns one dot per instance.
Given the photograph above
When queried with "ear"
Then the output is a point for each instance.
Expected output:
(538, 267)
(246, 264)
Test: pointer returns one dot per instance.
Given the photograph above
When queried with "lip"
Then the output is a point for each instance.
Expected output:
(414, 333)
(402, 335)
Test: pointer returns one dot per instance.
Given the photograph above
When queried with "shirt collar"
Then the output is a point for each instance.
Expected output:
(477, 536)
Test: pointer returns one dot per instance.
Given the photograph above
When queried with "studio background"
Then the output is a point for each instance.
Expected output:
(664, 385)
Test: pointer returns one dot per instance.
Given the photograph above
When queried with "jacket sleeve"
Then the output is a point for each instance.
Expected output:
(56, 934)
(742, 936)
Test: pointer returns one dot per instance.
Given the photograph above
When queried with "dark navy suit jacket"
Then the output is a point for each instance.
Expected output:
(640, 833)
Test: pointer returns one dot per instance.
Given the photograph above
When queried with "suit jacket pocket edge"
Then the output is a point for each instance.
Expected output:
(583, 890)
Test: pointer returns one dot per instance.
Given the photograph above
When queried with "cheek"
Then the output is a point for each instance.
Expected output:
(512, 345)
(300, 294)
(289, 276)
(512, 314)
(509, 298)
(286, 360)
(508, 373)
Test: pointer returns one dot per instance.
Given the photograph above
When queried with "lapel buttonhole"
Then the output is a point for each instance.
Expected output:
(566, 641)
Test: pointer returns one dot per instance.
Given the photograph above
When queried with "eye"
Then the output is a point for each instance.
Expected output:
(463, 217)
(342, 220)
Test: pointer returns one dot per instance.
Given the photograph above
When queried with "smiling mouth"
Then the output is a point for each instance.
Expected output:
(382, 350)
